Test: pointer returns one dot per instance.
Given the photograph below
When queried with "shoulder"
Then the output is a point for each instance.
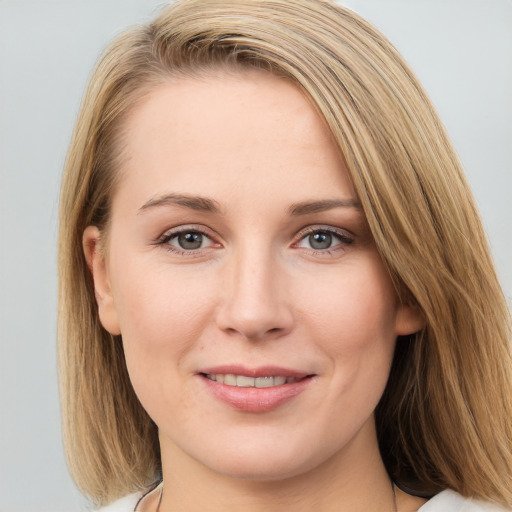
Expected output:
(137, 502)
(126, 504)
(450, 501)
(446, 501)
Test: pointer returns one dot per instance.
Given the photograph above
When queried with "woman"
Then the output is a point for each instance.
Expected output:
(275, 288)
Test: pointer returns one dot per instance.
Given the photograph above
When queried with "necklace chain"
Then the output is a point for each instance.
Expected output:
(160, 499)
(395, 506)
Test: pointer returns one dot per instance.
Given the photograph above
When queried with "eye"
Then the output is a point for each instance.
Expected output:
(320, 240)
(324, 239)
(186, 240)
(189, 240)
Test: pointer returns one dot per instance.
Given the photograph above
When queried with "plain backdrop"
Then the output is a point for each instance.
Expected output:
(460, 49)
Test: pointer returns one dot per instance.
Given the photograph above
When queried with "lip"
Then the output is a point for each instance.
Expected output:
(261, 371)
(256, 400)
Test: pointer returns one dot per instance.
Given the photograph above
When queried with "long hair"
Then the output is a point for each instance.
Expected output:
(445, 420)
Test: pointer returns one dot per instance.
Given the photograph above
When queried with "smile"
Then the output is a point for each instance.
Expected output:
(255, 390)
(242, 381)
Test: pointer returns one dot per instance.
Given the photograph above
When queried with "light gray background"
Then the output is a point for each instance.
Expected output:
(460, 49)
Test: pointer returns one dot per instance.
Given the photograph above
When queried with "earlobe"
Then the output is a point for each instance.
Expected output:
(94, 256)
(409, 320)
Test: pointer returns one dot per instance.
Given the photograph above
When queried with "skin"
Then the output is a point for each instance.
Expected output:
(257, 292)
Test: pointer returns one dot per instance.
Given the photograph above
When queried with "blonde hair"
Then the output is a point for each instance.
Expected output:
(445, 418)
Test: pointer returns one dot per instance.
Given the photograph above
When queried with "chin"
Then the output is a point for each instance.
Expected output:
(262, 464)
(269, 471)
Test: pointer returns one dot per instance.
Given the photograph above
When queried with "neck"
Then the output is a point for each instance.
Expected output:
(354, 480)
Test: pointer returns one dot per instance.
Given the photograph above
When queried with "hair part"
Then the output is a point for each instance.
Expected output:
(445, 418)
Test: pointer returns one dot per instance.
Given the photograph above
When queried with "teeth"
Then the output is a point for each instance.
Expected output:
(264, 382)
(230, 380)
(243, 381)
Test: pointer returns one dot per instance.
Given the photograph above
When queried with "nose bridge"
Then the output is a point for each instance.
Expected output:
(254, 305)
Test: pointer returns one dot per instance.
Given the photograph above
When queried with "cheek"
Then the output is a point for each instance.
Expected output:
(161, 305)
(162, 316)
(353, 308)
(352, 318)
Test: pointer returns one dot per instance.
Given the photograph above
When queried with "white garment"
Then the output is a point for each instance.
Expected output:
(446, 501)
(126, 504)
(450, 501)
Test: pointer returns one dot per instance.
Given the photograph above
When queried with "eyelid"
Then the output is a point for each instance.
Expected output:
(169, 234)
(314, 228)
(345, 237)
(183, 228)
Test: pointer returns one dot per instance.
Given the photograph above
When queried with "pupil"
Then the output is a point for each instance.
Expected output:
(190, 240)
(320, 240)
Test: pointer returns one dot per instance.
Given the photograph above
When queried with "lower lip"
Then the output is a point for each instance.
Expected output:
(256, 399)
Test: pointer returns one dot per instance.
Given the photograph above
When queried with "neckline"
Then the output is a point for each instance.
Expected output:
(149, 499)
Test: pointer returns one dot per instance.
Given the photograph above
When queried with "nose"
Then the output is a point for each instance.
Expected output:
(255, 301)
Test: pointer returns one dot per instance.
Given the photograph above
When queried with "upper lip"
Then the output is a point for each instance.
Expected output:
(260, 371)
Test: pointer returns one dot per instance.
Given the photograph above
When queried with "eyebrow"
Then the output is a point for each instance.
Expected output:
(205, 204)
(308, 207)
(202, 204)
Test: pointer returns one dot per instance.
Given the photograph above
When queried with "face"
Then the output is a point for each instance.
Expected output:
(257, 318)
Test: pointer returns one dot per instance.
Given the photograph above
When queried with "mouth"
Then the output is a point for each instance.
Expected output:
(243, 381)
(255, 390)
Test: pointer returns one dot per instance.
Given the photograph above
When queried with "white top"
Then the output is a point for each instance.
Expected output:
(446, 501)
(450, 501)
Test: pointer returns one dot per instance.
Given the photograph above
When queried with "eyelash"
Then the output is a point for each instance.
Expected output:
(342, 236)
(170, 235)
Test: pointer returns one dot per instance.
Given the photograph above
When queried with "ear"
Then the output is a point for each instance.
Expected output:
(409, 319)
(94, 255)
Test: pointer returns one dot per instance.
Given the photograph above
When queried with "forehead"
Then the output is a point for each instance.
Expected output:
(209, 133)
